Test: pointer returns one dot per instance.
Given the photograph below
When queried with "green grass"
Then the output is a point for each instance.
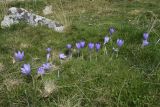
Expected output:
(130, 80)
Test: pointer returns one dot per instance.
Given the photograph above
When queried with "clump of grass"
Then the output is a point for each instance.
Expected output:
(3, 9)
(61, 15)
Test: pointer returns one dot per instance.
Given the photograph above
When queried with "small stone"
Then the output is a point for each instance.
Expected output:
(47, 10)
(49, 88)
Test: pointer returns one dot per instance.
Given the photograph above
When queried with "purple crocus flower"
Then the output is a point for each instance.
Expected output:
(78, 45)
(111, 30)
(26, 69)
(106, 39)
(46, 66)
(41, 70)
(48, 49)
(145, 36)
(68, 46)
(62, 56)
(82, 43)
(145, 43)
(98, 46)
(19, 56)
(91, 45)
(120, 42)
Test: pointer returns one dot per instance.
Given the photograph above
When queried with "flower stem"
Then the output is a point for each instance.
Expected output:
(78, 53)
(58, 74)
(70, 53)
(90, 56)
(104, 50)
(82, 55)
(71, 56)
(96, 56)
(117, 54)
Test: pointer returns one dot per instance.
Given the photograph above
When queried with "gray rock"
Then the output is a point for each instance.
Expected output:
(15, 15)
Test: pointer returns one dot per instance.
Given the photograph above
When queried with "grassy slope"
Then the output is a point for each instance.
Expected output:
(131, 80)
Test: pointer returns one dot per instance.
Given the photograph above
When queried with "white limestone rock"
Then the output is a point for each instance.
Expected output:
(15, 15)
(8, 21)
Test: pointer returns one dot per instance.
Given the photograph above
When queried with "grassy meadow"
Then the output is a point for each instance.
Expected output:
(132, 79)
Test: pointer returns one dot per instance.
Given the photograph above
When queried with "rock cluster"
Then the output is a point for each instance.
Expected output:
(15, 15)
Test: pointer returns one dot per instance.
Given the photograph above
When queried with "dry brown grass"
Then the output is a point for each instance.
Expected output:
(65, 11)
(3, 8)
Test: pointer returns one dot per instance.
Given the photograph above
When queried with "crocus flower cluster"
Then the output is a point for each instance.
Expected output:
(41, 70)
(80, 44)
(26, 68)
(145, 39)
(46, 66)
(91, 45)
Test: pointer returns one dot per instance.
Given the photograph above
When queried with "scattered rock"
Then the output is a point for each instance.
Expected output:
(135, 12)
(48, 10)
(15, 15)
(49, 88)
